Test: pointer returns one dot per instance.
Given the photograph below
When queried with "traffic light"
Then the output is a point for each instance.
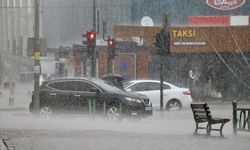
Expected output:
(91, 39)
(111, 44)
(162, 42)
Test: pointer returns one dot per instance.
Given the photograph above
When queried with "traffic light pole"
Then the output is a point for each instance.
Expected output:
(163, 48)
(111, 53)
(161, 83)
(110, 61)
(93, 58)
(37, 69)
(93, 63)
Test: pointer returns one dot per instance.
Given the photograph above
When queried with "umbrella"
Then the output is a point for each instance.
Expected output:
(109, 77)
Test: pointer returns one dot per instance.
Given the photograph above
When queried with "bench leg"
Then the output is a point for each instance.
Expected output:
(196, 128)
(221, 127)
(208, 128)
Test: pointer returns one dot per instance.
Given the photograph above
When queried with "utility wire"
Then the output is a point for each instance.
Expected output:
(244, 57)
(236, 57)
(225, 61)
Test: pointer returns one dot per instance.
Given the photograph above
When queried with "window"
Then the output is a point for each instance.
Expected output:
(148, 86)
(154, 86)
(72, 86)
(84, 86)
(139, 87)
(166, 86)
(57, 85)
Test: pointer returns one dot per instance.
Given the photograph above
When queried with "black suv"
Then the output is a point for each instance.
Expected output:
(74, 95)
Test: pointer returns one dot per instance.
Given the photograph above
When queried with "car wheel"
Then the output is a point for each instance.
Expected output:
(173, 105)
(45, 112)
(113, 113)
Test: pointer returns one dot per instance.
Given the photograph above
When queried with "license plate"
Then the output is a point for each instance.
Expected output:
(148, 108)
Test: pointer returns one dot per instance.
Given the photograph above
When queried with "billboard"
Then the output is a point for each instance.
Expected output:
(225, 4)
(210, 39)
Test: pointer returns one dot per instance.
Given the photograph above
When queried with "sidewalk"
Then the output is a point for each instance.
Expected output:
(221, 101)
(22, 98)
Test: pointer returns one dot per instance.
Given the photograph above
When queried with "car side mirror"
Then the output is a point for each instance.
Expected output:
(96, 90)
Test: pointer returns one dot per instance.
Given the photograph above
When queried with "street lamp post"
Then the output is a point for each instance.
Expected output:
(37, 68)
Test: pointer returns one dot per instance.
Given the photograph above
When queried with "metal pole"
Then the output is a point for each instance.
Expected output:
(94, 108)
(11, 27)
(161, 84)
(94, 15)
(234, 117)
(1, 41)
(1, 28)
(5, 25)
(120, 111)
(163, 48)
(93, 62)
(90, 107)
(37, 69)
(104, 30)
(104, 109)
(109, 62)
(93, 58)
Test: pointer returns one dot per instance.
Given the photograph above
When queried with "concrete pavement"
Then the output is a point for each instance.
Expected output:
(105, 140)
(22, 98)
(167, 130)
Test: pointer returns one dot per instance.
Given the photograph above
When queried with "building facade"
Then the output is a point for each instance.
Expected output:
(16, 26)
(180, 10)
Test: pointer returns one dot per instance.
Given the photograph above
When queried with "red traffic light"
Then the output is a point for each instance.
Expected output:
(111, 43)
(91, 36)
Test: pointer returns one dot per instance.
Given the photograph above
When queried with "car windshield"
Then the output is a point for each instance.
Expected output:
(127, 84)
(106, 87)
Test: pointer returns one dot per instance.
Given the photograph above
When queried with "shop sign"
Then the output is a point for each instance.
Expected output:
(225, 4)
(190, 43)
(183, 33)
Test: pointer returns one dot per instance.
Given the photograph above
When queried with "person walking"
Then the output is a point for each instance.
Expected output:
(118, 83)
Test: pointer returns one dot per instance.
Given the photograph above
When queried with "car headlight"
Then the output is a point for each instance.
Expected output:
(133, 99)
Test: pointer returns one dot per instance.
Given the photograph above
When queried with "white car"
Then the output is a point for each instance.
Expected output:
(174, 98)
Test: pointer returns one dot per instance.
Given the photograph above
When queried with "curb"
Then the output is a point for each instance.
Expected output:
(13, 109)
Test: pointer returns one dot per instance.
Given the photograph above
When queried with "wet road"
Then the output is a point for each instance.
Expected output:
(168, 130)
(106, 140)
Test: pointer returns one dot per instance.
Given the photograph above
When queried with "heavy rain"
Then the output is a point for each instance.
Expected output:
(124, 74)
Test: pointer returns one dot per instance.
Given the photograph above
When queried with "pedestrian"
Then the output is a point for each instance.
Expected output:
(194, 82)
(118, 83)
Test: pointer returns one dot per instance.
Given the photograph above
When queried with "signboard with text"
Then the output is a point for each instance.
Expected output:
(209, 39)
(225, 4)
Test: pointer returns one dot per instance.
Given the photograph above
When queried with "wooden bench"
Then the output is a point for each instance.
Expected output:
(202, 114)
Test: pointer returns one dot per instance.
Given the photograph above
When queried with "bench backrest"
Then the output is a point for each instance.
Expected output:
(201, 112)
